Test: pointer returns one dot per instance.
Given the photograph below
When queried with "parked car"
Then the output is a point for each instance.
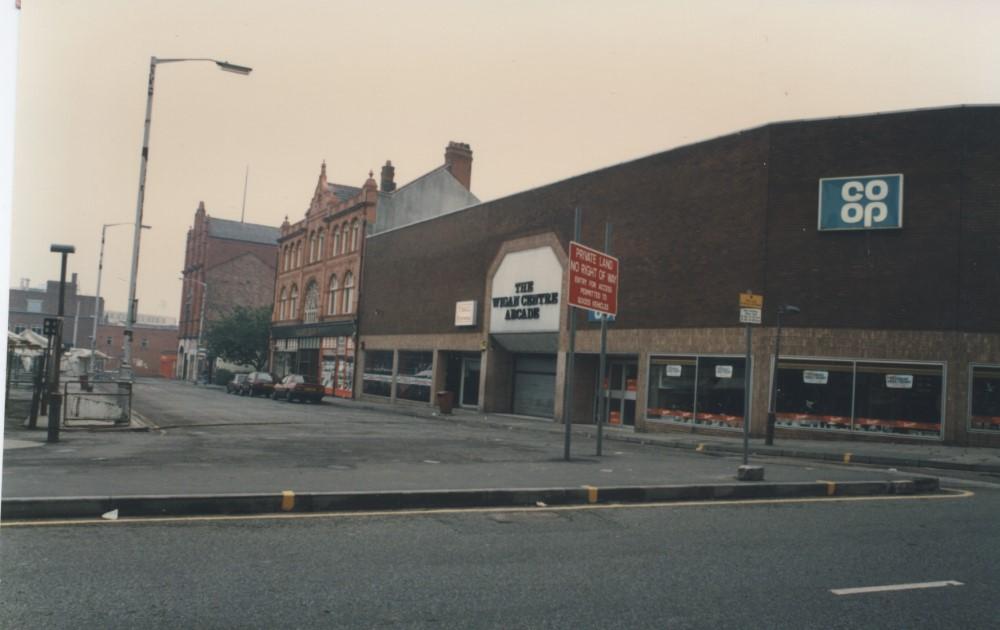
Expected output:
(235, 384)
(298, 387)
(258, 384)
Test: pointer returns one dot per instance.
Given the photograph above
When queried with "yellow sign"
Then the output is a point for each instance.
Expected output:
(751, 300)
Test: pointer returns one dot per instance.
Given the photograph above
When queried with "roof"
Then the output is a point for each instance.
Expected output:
(342, 191)
(238, 231)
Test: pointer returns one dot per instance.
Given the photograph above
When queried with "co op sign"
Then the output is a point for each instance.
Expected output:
(869, 202)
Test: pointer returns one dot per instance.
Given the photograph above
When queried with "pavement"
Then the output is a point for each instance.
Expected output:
(195, 450)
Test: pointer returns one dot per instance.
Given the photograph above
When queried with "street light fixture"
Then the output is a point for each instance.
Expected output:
(97, 295)
(126, 369)
(55, 398)
(784, 309)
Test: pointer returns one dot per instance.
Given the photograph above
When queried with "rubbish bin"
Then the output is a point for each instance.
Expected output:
(445, 400)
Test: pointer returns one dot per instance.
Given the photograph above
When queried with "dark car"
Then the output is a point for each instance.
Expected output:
(258, 384)
(235, 385)
(298, 387)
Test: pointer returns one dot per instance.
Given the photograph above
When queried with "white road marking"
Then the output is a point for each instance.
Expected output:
(894, 587)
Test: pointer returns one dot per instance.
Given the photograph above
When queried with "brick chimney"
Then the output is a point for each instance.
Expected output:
(458, 159)
(388, 177)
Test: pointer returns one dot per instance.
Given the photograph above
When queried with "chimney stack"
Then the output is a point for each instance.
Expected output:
(458, 159)
(388, 174)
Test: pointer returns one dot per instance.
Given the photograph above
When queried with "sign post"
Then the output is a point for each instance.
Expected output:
(751, 306)
(571, 314)
(602, 399)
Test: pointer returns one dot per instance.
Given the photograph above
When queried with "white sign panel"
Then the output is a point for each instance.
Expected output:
(750, 315)
(899, 381)
(815, 377)
(674, 370)
(723, 371)
(525, 294)
(465, 313)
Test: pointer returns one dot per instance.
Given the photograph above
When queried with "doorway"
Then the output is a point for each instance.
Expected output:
(620, 386)
(469, 388)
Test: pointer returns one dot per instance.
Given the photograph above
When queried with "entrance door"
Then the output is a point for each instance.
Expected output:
(620, 387)
(470, 382)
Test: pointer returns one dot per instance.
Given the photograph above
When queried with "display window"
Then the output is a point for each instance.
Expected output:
(860, 396)
(984, 398)
(413, 381)
(377, 377)
(701, 390)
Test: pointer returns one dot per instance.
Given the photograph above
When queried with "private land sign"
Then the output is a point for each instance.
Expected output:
(593, 279)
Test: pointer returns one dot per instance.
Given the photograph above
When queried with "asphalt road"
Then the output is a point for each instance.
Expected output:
(689, 566)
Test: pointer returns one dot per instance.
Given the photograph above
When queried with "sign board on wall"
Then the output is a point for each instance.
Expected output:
(465, 313)
(864, 202)
(593, 279)
(524, 295)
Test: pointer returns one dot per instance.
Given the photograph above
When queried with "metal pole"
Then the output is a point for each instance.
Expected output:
(568, 393)
(746, 401)
(76, 322)
(602, 399)
(772, 404)
(97, 304)
(201, 326)
(55, 397)
(126, 368)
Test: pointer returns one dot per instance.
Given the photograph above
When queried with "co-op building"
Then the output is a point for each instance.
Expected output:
(883, 229)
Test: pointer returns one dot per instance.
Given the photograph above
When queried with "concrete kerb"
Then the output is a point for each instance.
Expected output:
(322, 502)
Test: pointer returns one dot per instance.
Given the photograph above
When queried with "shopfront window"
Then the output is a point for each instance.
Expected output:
(377, 378)
(706, 391)
(984, 397)
(814, 394)
(413, 382)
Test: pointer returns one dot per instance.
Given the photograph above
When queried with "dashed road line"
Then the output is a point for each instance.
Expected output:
(894, 587)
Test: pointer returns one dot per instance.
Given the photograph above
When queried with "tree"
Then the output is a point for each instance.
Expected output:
(241, 337)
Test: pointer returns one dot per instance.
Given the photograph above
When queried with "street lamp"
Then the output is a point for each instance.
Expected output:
(769, 435)
(55, 398)
(97, 295)
(126, 371)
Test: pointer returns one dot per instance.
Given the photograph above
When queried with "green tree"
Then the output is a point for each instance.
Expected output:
(241, 337)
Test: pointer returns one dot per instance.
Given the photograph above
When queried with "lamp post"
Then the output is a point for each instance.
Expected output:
(769, 435)
(97, 295)
(143, 159)
(55, 398)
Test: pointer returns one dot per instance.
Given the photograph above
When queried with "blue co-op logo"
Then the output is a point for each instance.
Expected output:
(861, 203)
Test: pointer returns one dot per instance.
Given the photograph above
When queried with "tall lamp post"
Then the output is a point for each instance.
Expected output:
(786, 309)
(55, 398)
(97, 296)
(143, 159)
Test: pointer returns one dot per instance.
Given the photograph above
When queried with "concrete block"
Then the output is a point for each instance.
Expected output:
(750, 473)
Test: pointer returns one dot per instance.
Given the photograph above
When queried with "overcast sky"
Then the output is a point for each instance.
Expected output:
(540, 90)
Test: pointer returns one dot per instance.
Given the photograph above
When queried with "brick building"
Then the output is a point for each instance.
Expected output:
(314, 323)
(28, 308)
(149, 343)
(897, 338)
(226, 263)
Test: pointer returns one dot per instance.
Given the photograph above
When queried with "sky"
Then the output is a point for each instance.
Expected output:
(541, 90)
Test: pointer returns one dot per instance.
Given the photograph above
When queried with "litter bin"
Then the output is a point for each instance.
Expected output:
(445, 400)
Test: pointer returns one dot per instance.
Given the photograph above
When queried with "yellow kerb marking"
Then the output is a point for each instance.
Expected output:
(287, 501)
(847, 458)
(700, 448)
(591, 494)
(831, 488)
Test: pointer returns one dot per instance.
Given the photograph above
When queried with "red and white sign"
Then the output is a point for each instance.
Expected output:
(593, 279)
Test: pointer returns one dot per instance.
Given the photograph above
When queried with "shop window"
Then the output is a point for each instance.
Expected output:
(377, 377)
(413, 381)
(898, 398)
(311, 304)
(984, 395)
(814, 394)
(706, 391)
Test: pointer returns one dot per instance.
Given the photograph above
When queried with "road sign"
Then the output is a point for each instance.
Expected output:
(593, 279)
(751, 300)
(750, 315)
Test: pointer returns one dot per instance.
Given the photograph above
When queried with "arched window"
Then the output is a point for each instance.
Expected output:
(284, 258)
(293, 302)
(298, 254)
(354, 235)
(311, 255)
(311, 303)
(344, 242)
(331, 306)
(319, 247)
(348, 292)
(281, 305)
(336, 241)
